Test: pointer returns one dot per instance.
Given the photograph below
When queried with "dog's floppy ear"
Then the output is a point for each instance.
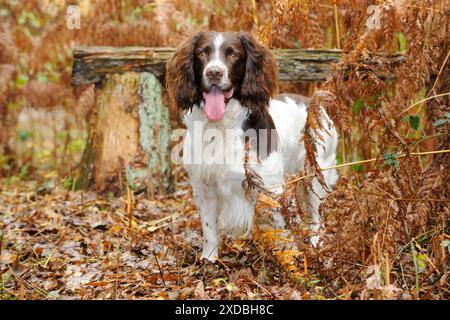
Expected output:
(260, 81)
(180, 75)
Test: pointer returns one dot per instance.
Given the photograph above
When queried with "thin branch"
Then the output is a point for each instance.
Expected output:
(439, 74)
(423, 100)
(401, 155)
(159, 268)
(20, 279)
(415, 261)
(430, 137)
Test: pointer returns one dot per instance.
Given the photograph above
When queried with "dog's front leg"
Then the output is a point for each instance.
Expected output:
(206, 201)
(315, 198)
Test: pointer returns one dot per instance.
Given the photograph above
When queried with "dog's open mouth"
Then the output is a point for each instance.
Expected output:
(215, 101)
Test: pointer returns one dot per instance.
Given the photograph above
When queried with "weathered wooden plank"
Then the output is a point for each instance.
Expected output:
(305, 65)
(91, 64)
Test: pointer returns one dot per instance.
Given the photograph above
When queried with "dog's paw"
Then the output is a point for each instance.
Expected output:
(209, 254)
(315, 241)
(206, 262)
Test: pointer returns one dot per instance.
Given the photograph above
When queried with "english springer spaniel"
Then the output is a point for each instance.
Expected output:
(225, 84)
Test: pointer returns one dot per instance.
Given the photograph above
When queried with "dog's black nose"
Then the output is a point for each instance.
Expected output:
(214, 73)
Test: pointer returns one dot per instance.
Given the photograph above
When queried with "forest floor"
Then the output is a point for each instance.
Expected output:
(59, 244)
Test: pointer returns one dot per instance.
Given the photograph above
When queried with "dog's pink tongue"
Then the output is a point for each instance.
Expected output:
(214, 104)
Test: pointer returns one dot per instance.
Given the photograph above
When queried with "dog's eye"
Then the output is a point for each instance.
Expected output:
(233, 55)
(203, 53)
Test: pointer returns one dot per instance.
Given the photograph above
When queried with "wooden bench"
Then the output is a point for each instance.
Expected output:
(129, 130)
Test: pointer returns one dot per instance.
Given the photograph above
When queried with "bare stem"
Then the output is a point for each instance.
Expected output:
(400, 155)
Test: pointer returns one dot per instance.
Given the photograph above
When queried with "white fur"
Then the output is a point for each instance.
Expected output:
(216, 62)
(217, 185)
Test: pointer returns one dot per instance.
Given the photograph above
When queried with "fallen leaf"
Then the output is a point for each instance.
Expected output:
(199, 291)
(186, 293)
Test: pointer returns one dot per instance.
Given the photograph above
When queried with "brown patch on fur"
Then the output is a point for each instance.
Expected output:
(258, 87)
(180, 75)
(260, 81)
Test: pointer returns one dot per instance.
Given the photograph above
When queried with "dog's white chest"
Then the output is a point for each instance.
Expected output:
(211, 149)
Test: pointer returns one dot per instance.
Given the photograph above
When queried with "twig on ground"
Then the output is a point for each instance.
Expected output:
(20, 279)
(262, 288)
(159, 268)
(415, 261)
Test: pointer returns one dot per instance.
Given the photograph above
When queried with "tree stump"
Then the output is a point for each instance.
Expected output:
(128, 136)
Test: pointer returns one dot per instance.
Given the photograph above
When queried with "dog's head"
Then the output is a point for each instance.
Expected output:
(215, 67)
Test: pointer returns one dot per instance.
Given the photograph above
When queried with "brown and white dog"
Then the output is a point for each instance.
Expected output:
(225, 85)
